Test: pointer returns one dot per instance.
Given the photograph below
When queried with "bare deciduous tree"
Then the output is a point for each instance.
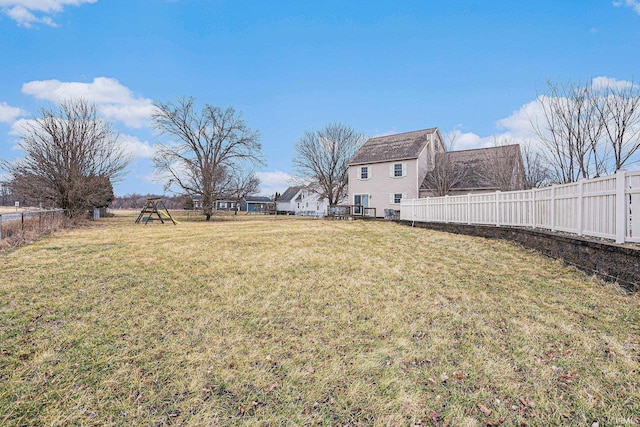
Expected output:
(446, 173)
(5, 192)
(71, 158)
(503, 166)
(620, 116)
(536, 170)
(211, 147)
(570, 130)
(322, 157)
(589, 130)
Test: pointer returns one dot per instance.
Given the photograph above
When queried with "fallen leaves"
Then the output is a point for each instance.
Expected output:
(527, 403)
(486, 411)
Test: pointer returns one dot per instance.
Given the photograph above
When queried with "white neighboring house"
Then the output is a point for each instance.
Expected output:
(302, 201)
(286, 203)
(390, 168)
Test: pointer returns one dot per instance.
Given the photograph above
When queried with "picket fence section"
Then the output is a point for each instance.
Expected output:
(607, 207)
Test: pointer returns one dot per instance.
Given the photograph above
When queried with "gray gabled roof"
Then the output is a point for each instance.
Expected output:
(257, 199)
(401, 146)
(290, 193)
(484, 167)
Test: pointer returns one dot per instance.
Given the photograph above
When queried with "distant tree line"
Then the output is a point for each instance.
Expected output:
(137, 201)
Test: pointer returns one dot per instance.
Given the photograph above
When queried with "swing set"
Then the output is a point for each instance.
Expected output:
(155, 206)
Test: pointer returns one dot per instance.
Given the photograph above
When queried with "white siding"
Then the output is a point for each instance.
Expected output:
(310, 204)
(381, 184)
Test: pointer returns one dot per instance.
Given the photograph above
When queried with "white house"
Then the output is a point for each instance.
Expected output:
(286, 201)
(302, 201)
(389, 168)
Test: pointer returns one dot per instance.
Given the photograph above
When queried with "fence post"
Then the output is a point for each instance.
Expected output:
(468, 209)
(498, 208)
(621, 207)
(446, 209)
(413, 210)
(580, 206)
(534, 208)
(553, 208)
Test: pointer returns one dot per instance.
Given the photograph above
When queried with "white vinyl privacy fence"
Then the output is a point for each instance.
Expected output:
(607, 207)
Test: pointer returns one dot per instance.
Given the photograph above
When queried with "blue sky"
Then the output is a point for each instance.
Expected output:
(382, 67)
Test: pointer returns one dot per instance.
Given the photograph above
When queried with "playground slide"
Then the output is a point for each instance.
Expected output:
(164, 214)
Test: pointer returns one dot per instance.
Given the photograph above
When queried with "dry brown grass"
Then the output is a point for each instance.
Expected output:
(13, 209)
(16, 233)
(256, 321)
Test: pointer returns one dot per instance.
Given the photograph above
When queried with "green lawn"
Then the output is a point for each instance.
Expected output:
(256, 321)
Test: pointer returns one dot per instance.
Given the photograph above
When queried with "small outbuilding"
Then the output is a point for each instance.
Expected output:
(256, 204)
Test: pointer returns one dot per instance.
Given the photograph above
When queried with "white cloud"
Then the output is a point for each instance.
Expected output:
(514, 129)
(518, 127)
(19, 127)
(29, 12)
(609, 82)
(9, 114)
(633, 4)
(114, 100)
(136, 148)
(458, 140)
(519, 123)
(273, 181)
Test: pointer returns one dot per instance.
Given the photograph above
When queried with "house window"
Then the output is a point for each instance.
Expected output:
(396, 198)
(397, 170)
(364, 172)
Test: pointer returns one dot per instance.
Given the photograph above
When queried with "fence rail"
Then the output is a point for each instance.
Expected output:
(29, 221)
(607, 207)
(350, 211)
